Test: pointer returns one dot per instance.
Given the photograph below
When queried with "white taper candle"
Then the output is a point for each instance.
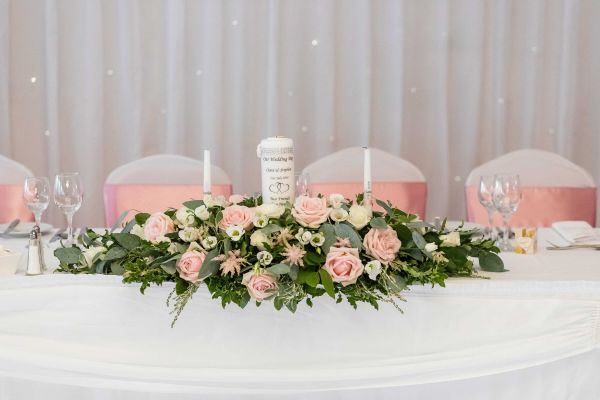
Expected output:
(207, 181)
(367, 170)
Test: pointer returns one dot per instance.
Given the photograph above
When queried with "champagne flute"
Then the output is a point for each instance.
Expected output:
(486, 199)
(507, 196)
(36, 193)
(302, 184)
(68, 195)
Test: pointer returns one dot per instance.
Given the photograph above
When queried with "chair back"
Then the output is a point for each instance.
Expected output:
(157, 182)
(554, 189)
(394, 178)
(12, 177)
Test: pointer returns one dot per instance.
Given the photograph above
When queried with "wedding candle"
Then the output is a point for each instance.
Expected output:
(277, 165)
(207, 183)
(367, 170)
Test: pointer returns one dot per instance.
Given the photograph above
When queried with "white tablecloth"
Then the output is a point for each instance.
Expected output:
(530, 333)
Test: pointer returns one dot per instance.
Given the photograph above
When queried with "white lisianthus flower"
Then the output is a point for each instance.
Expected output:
(264, 258)
(359, 216)
(137, 231)
(235, 232)
(338, 215)
(317, 239)
(90, 253)
(189, 234)
(373, 268)
(202, 212)
(303, 236)
(212, 201)
(450, 240)
(209, 242)
(431, 247)
(185, 216)
(336, 200)
(160, 239)
(270, 210)
(173, 248)
(260, 220)
(194, 246)
(258, 239)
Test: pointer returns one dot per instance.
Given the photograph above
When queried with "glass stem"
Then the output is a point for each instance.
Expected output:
(490, 214)
(506, 238)
(70, 228)
(38, 218)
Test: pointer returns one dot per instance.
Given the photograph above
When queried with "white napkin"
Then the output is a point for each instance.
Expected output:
(577, 232)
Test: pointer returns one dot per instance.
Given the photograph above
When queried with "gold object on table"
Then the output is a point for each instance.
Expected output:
(525, 241)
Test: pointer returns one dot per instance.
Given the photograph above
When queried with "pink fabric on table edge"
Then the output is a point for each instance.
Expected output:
(407, 196)
(151, 197)
(12, 205)
(540, 206)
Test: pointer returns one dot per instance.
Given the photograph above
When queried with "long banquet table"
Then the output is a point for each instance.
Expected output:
(530, 333)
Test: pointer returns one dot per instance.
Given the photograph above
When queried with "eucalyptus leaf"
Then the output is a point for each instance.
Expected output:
(328, 232)
(491, 262)
(385, 205)
(99, 268)
(271, 228)
(129, 226)
(209, 266)
(120, 219)
(169, 268)
(279, 269)
(327, 282)
(347, 231)
(419, 240)
(193, 204)
(127, 240)
(378, 223)
(68, 255)
(116, 268)
(294, 272)
(114, 253)
(227, 245)
(395, 282)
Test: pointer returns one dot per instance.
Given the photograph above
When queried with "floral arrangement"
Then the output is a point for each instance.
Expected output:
(242, 249)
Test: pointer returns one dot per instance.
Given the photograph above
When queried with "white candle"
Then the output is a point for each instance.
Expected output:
(367, 170)
(207, 182)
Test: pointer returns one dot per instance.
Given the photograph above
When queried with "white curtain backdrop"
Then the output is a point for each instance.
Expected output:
(88, 85)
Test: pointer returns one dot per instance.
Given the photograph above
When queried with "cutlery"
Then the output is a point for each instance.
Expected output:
(10, 227)
(58, 235)
(573, 246)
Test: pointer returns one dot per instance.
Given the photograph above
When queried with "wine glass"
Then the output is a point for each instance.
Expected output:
(486, 199)
(68, 195)
(302, 184)
(36, 193)
(507, 196)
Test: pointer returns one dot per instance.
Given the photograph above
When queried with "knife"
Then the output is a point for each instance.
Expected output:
(10, 227)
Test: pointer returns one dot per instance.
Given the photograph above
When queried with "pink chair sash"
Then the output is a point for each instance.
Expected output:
(11, 204)
(151, 197)
(541, 206)
(407, 196)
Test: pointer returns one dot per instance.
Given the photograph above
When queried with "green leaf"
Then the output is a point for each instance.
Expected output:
(209, 266)
(218, 217)
(127, 240)
(181, 286)
(116, 268)
(314, 259)
(226, 245)
(271, 228)
(294, 272)
(279, 269)
(169, 268)
(309, 277)
(404, 233)
(129, 226)
(327, 282)
(114, 253)
(491, 262)
(193, 204)
(278, 303)
(378, 223)
(386, 206)
(419, 240)
(100, 267)
(141, 218)
(68, 255)
(119, 220)
(328, 232)
(347, 231)
(458, 255)
(396, 283)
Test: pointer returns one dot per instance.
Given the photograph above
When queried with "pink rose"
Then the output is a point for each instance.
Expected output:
(260, 285)
(157, 226)
(310, 211)
(189, 265)
(236, 198)
(344, 265)
(237, 215)
(382, 244)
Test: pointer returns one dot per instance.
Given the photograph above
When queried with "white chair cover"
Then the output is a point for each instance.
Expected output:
(12, 172)
(12, 175)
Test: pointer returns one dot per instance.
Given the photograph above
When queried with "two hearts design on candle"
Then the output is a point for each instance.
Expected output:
(279, 187)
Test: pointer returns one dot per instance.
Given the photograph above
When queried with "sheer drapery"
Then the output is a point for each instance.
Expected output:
(89, 85)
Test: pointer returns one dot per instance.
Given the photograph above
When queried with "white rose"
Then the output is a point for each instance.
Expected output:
(338, 215)
(336, 200)
(305, 237)
(258, 239)
(202, 213)
(137, 231)
(185, 216)
(260, 220)
(264, 257)
(189, 234)
(211, 201)
(209, 243)
(431, 247)
(235, 232)
(450, 240)
(270, 210)
(90, 253)
(359, 216)
(373, 268)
